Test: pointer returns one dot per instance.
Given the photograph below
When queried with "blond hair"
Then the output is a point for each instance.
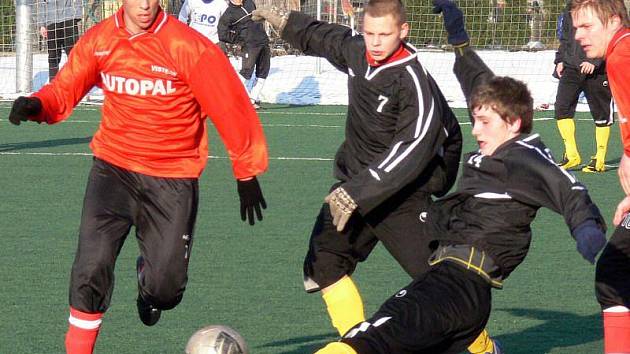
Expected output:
(603, 9)
(382, 8)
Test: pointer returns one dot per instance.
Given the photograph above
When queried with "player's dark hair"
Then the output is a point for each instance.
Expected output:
(508, 97)
(604, 9)
(381, 8)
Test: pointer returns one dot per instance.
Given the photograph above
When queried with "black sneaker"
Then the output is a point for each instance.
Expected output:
(149, 315)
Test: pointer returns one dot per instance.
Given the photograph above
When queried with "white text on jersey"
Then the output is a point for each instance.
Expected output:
(137, 87)
(161, 69)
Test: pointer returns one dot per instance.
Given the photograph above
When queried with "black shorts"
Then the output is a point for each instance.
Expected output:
(258, 57)
(596, 89)
(612, 274)
(163, 211)
(396, 223)
(443, 311)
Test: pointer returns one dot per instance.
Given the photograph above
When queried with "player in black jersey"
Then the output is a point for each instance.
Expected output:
(483, 228)
(402, 145)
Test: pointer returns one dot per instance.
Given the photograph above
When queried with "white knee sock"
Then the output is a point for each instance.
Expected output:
(256, 89)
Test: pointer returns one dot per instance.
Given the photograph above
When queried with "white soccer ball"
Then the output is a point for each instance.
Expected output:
(216, 339)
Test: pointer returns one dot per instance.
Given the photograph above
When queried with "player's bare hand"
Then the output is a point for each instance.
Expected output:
(587, 68)
(341, 207)
(43, 32)
(622, 210)
(559, 69)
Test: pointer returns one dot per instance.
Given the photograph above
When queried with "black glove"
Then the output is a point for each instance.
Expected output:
(590, 239)
(453, 21)
(251, 199)
(25, 108)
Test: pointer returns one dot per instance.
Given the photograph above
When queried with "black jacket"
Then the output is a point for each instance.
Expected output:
(236, 26)
(497, 196)
(401, 137)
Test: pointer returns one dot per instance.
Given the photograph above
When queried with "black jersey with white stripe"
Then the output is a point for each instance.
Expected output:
(497, 198)
(400, 134)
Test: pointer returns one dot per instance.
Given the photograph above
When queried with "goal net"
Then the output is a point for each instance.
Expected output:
(514, 37)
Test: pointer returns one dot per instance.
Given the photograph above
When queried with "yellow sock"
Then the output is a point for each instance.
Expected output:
(336, 348)
(344, 305)
(483, 344)
(567, 132)
(601, 139)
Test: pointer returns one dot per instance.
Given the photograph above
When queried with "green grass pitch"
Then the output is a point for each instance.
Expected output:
(250, 278)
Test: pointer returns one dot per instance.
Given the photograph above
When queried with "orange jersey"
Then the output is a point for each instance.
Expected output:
(159, 85)
(617, 67)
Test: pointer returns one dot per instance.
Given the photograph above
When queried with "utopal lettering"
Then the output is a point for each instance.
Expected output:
(136, 87)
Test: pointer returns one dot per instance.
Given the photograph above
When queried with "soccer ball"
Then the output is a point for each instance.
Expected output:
(216, 339)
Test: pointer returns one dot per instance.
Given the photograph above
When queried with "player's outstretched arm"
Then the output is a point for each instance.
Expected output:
(624, 172)
(469, 69)
(252, 199)
(25, 108)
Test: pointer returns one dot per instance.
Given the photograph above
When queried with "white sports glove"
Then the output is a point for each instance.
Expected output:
(341, 207)
(271, 15)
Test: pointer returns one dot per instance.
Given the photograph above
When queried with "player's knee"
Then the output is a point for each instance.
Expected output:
(336, 348)
(246, 74)
(322, 273)
(562, 116)
(603, 123)
(163, 297)
(164, 290)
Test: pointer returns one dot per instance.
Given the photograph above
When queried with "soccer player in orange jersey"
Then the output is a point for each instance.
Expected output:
(160, 79)
(602, 28)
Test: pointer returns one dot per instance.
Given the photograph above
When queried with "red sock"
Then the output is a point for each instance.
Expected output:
(617, 332)
(82, 331)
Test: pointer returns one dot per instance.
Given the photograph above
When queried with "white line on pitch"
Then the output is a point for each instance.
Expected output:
(280, 158)
(302, 125)
(211, 156)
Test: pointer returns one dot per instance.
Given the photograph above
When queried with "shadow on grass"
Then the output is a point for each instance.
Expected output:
(44, 144)
(307, 344)
(557, 330)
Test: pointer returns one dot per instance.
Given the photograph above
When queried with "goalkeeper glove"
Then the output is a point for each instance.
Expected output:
(25, 108)
(251, 199)
(453, 22)
(590, 240)
(273, 16)
(341, 207)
